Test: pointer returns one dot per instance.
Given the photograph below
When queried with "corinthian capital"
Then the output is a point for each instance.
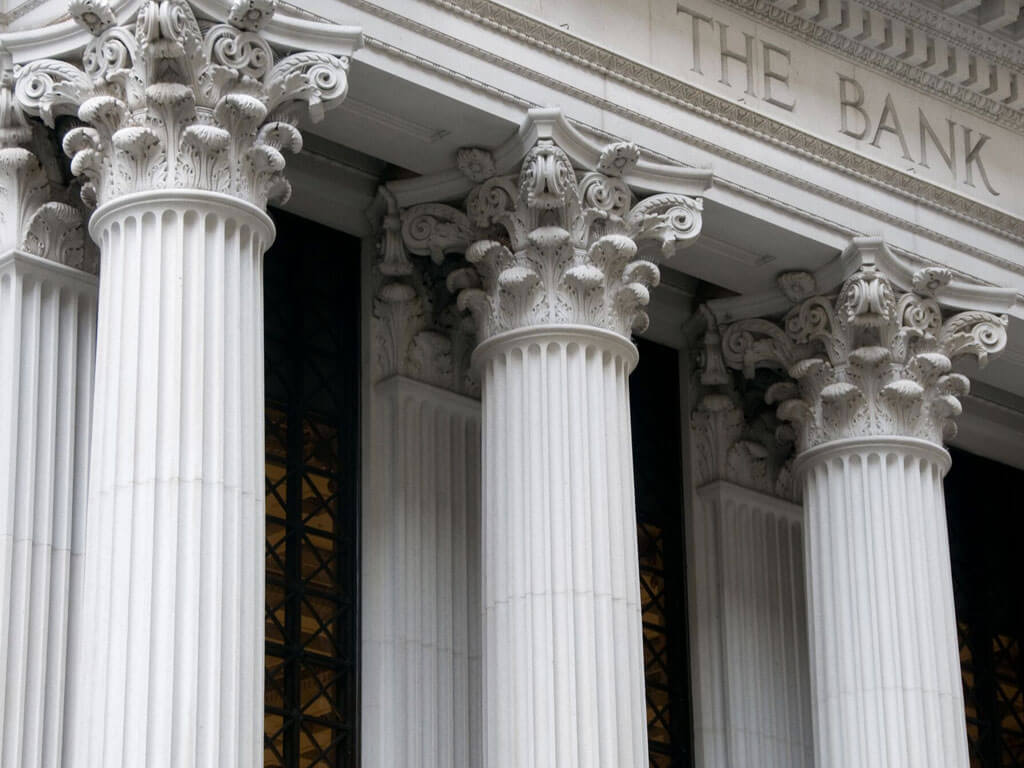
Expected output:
(29, 220)
(169, 103)
(869, 361)
(561, 236)
(418, 331)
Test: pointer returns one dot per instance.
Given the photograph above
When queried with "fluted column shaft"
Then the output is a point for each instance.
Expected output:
(47, 337)
(885, 663)
(421, 585)
(563, 659)
(752, 693)
(172, 665)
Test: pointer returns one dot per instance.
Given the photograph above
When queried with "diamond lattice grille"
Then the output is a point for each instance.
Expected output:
(311, 305)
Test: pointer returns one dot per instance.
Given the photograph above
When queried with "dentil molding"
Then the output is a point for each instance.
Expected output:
(870, 361)
(168, 102)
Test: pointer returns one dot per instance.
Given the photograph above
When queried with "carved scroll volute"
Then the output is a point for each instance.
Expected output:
(869, 361)
(29, 220)
(554, 244)
(418, 331)
(169, 105)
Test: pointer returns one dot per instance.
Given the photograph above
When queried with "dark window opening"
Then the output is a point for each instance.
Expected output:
(986, 532)
(311, 300)
(657, 469)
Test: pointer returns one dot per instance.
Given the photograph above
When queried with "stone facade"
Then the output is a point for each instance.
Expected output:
(817, 203)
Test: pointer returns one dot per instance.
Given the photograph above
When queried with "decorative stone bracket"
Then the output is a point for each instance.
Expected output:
(172, 103)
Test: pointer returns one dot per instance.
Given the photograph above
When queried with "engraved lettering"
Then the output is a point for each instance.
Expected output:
(949, 157)
(746, 58)
(972, 157)
(772, 74)
(889, 122)
(696, 18)
(854, 103)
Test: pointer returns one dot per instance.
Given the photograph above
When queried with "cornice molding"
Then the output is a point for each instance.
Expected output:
(546, 124)
(941, 24)
(719, 109)
(953, 289)
(770, 171)
(933, 85)
(564, 43)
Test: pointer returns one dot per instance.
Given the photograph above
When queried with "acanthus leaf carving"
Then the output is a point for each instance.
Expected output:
(168, 105)
(754, 453)
(555, 245)
(419, 332)
(31, 221)
(868, 361)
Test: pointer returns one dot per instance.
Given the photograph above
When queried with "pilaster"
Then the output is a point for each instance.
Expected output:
(871, 393)
(421, 621)
(47, 341)
(748, 614)
(181, 141)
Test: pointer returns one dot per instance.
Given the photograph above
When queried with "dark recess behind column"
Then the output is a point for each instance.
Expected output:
(657, 468)
(311, 299)
(985, 512)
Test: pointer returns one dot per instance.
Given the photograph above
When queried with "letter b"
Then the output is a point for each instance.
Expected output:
(852, 102)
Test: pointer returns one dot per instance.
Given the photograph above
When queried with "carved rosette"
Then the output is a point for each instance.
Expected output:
(555, 245)
(29, 220)
(868, 362)
(168, 104)
(419, 332)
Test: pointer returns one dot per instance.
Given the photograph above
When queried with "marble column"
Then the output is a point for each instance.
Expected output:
(561, 246)
(180, 158)
(554, 306)
(47, 338)
(748, 616)
(421, 615)
(871, 395)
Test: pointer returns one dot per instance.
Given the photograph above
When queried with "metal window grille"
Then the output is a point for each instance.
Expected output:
(985, 532)
(311, 300)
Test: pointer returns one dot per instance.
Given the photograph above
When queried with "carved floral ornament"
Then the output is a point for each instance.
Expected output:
(172, 103)
(29, 220)
(870, 361)
(754, 453)
(551, 244)
(418, 331)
